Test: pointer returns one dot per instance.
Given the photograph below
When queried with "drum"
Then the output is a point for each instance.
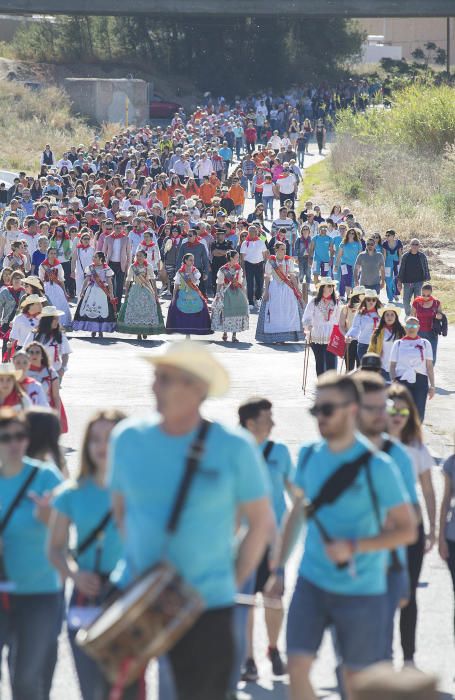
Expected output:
(144, 622)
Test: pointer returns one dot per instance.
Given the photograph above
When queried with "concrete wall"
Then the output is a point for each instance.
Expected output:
(105, 99)
(411, 34)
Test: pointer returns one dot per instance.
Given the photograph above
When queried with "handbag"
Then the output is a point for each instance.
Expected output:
(337, 342)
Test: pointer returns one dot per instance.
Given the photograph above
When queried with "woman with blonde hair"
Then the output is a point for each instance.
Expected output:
(83, 505)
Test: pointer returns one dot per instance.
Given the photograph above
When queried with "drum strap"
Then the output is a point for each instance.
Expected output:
(193, 460)
(93, 534)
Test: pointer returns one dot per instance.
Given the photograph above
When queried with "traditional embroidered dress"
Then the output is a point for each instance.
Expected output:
(230, 307)
(188, 312)
(140, 312)
(280, 317)
(95, 311)
(84, 257)
(53, 277)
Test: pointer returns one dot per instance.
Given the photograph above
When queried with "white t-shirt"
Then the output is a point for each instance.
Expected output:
(421, 458)
(253, 251)
(116, 249)
(286, 185)
(411, 356)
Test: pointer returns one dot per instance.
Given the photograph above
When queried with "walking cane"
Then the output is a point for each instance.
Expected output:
(305, 363)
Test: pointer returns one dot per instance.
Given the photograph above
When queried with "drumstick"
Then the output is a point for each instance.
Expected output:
(250, 601)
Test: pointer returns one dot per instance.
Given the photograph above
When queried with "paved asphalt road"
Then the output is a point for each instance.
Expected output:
(110, 372)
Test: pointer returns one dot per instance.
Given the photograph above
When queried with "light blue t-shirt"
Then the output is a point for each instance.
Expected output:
(85, 503)
(322, 247)
(24, 538)
(279, 465)
(336, 241)
(351, 249)
(147, 466)
(352, 516)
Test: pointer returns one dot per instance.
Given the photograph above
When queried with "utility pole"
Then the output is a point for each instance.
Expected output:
(448, 46)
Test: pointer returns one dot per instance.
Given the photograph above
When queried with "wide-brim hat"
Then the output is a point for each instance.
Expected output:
(358, 291)
(371, 293)
(7, 369)
(34, 281)
(326, 281)
(51, 311)
(32, 299)
(195, 359)
(390, 307)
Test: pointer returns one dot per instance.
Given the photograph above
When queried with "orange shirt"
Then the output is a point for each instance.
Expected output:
(214, 181)
(206, 192)
(237, 194)
(163, 197)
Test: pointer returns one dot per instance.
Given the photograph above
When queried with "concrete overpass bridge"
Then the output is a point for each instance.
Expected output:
(296, 8)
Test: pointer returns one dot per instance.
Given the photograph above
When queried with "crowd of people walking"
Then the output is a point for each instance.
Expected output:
(150, 234)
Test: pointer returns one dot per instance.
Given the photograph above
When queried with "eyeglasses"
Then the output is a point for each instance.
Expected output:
(392, 411)
(327, 409)
(6, 438)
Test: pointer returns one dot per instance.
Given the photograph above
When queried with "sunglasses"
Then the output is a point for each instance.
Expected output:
(392, 411)
(6, 438)
(327, 409)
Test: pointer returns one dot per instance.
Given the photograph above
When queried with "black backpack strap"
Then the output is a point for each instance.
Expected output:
(93, 534)
(17, 499)
(267, 449)
(193, 459)
(337, 483)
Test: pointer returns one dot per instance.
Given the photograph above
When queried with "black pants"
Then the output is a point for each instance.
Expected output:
(284, 197)
(70, 284)
(254, 280)
(118, 281)
(451, 565)
(408, 616)
(202, 660)
(325, 360)
(352, 359)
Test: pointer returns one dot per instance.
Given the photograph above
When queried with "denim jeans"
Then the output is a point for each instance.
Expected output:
(432, 338)
(31, 628)
(300, 158)
(268, 206)
(362, 348)
(410, 289)
(419, 392)
(304, 271)
(254, 281)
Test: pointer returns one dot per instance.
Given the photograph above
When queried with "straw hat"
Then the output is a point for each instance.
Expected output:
(34, 281)
(195, 359)
(326, 281)
(7, 369)
(51, 311)
(32, 299)
(390, 307)
(371, 294)
(357, 291)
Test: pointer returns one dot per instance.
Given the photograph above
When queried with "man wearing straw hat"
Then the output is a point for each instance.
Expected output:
(147, 465)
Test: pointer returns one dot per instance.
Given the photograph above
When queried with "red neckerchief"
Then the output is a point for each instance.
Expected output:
(49, 264)
(423, 300)
(138, 233)
(29, 233)
(84, 247)
(183, 269)
(36, 368)
(27, 380)
(249, 240)
(369, 313)
(420, 348)
(326, 301)
(116, 236)
(12, 399)
(138, 264)
(196, 241)
(147, 245)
